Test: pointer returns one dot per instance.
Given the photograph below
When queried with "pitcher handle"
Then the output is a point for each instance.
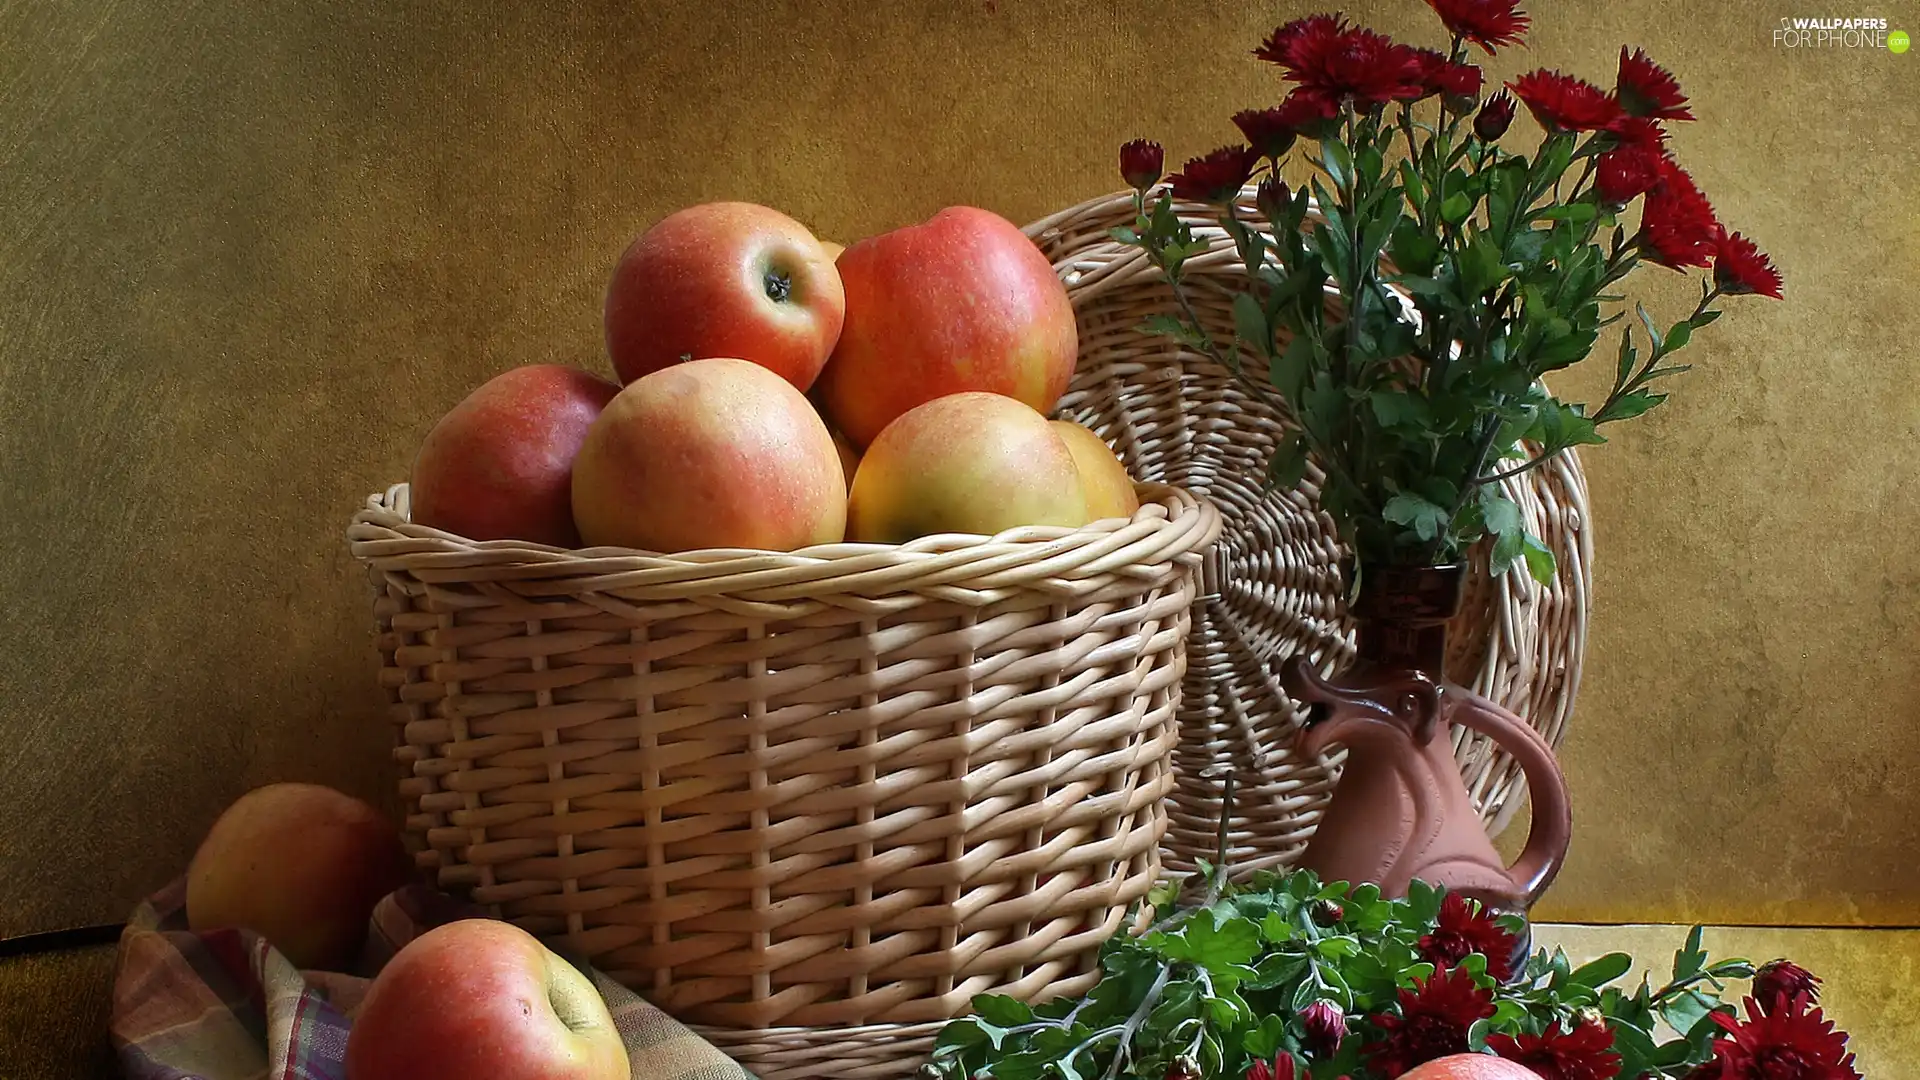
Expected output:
(1552, 826)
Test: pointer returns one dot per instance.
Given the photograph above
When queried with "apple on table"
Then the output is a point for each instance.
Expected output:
(301, 865)
(479, 998)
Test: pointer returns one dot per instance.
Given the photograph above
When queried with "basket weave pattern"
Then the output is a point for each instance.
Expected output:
(1274, 584)
(849, 785)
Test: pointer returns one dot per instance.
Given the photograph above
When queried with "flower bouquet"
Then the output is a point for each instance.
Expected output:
(1465, 271)
(1286, 978)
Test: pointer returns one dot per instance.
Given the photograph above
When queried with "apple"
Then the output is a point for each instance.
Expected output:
(728, 279)
(714, 453)
(482, 998)
(961, 302)
(1109, 488)
(1470, 1067)
(965, 463)
(499, 465)
(849, 457)
(302, 866)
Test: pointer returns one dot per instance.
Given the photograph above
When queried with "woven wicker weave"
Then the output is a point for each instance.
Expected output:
(1273, 583)
(852, 785)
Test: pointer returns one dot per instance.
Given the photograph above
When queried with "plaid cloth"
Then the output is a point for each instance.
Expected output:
(225, 1005)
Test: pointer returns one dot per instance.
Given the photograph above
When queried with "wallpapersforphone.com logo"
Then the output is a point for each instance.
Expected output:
(1815, 33)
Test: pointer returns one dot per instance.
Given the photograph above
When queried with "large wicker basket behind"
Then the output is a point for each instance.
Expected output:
(812, 802)
(1273, 586)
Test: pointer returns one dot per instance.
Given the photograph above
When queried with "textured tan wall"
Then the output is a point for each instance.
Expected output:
(249, 251)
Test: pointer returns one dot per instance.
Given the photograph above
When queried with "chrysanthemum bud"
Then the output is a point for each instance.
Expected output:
(1140, 163)
(1327, 912)
(1272, 198)
(1325, 1024)
(1781, 981)
(1495, 117)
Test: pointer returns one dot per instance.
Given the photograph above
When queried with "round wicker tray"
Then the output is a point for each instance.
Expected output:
(1273, 585)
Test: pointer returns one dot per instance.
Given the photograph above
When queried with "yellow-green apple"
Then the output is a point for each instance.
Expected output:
(302, 866)
(965, 463)
(832, 249)
(1470, 1067)
(499, 465)
(849, 457)
(960, 302)
(728, 279)
(1110, 492)
(714, 453)
(482, 998)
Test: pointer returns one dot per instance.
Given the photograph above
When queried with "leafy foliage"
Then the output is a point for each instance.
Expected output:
(1213, 987)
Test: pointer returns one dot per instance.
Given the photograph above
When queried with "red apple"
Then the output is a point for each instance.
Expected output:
(724, 279)
(499, 466)
(961, 302)
(965, 463)
(715, 453)
(300, 865)
(1470, 1067)
(481, 998)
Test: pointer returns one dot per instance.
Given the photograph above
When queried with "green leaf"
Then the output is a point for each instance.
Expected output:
(1337, 162)
(1423, 517)
(1628, 357)
(1628, 406)
(1455, 208)
(1413, 249)
(1480, 266)
(1284, 471)
(1686, 1009)
(1507, 550)
(1264, 1041)
(1250, 324)
(1602, 971)
(1678, 336)
(1235, 941)
(1635, 1047)
(1540, 560)
(1287, 371)
(1392, 408)
(1002, 1010)
(1166, 326)
(1574, 213)
(1124, 234)
(1690, 960)
(1500, 513)
(1477, 1034)
(1653, 332)
(963, 1033)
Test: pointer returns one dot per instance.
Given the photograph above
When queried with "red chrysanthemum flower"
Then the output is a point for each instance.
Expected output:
(1677, 226)
(1291, 45)
(1306, 110)
(1464, 928)
(1740, 268)
(1217, 177)
(1337, 62)
(1269, 130)
(1283, 1068)
(1624, 174)
(1439, 75)
(1639, 131)
(1140, 163)
(1776, 978)
(1583, 1051)
(1432, 1022)
(1644, 88)
(1487, 23)
(1792, 1042)
(1564, 103)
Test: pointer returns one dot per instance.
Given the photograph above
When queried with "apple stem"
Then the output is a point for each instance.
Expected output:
(779, 286)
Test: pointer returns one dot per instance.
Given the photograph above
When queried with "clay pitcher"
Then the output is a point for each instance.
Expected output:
(1400, 810)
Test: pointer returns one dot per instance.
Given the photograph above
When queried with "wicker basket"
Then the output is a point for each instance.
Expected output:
(811, 803)
(1273, 585)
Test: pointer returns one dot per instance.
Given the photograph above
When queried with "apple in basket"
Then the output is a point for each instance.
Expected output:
(714, 453)
(499, 465)
(724, 279)
(1109, 488)
(300, 865)
(963, 301)
(481, 998)
(964, 463)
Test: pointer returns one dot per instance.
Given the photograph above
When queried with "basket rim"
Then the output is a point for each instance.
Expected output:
(1171, 523)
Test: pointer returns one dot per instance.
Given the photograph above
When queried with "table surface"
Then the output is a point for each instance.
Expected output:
(53, 1007)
